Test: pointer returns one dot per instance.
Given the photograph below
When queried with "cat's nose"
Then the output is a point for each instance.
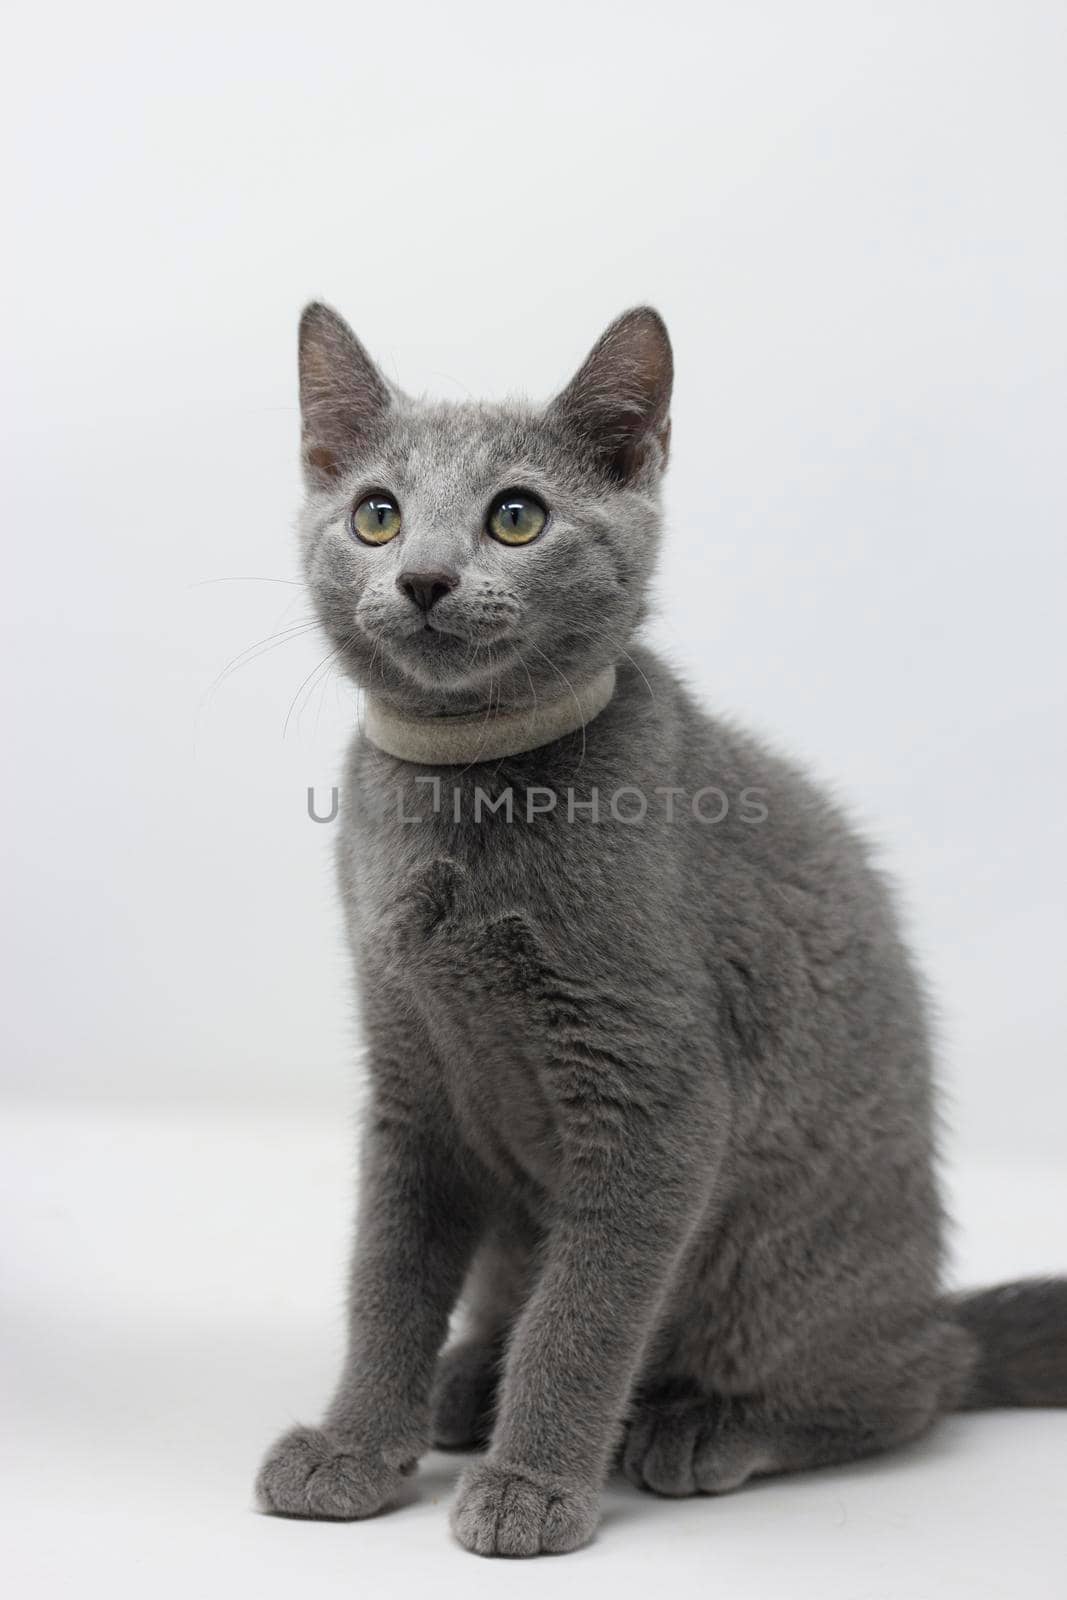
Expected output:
(424, 589)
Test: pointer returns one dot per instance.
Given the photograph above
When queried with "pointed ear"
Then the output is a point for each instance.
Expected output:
(619, 401)
(343, 396)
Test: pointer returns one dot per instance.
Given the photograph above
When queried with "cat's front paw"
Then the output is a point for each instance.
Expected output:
(309, 1474)
(511, 1511)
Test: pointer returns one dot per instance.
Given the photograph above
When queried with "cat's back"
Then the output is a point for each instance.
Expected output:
(819, 1004)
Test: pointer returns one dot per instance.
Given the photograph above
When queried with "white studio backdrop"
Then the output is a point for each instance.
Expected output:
(851, 217)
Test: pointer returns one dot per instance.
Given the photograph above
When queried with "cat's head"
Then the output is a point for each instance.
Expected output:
(467, 555)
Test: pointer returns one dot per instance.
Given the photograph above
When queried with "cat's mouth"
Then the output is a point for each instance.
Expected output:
(432, 635)
(435, 655)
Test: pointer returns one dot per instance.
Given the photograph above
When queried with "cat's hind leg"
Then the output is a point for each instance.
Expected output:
(463, 1400)
(706, 1445)
(682, 1442)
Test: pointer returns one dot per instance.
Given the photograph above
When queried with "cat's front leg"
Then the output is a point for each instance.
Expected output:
(416, 1231)
(632, 1195)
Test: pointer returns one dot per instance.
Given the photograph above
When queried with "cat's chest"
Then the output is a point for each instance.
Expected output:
(475, 957)
(504, 936)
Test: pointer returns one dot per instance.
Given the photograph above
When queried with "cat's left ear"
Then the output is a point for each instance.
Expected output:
(619, 401)
(343, 396)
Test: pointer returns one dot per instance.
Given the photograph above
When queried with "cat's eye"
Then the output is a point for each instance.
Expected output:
(376, 519)
(516, 518)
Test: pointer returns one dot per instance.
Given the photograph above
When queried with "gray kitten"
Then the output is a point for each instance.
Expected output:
(649, 1063)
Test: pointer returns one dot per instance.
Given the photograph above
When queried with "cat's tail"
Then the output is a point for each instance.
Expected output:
(1020, 1330)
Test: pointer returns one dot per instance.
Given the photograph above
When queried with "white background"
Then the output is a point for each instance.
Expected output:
(852, 218)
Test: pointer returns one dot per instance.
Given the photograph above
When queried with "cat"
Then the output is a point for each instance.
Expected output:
(650, 1085)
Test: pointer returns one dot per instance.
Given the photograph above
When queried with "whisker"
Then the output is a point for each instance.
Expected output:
(574, 697)
(374, 654)
(488, 713)
(331, 674)
(312, 674)
(533, 696)
(261, 647)
(201, 583)
(615, 645)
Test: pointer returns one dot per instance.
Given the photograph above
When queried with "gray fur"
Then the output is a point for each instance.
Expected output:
(654, 1100)
(1021, 1333)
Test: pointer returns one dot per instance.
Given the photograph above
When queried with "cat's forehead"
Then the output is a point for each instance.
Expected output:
(472, 443)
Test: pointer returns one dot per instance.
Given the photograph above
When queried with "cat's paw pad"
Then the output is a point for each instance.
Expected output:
(510, 1511)
(306, 1474)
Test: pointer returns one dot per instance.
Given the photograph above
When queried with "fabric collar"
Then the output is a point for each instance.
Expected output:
(463, 741)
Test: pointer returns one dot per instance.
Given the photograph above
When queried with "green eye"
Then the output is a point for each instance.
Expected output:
(516, 518)
(376, 519)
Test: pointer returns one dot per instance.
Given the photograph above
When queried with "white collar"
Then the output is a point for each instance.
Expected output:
(463, 741)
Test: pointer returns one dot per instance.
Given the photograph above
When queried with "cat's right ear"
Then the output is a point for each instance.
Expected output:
(620, 401)
(343, 396)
